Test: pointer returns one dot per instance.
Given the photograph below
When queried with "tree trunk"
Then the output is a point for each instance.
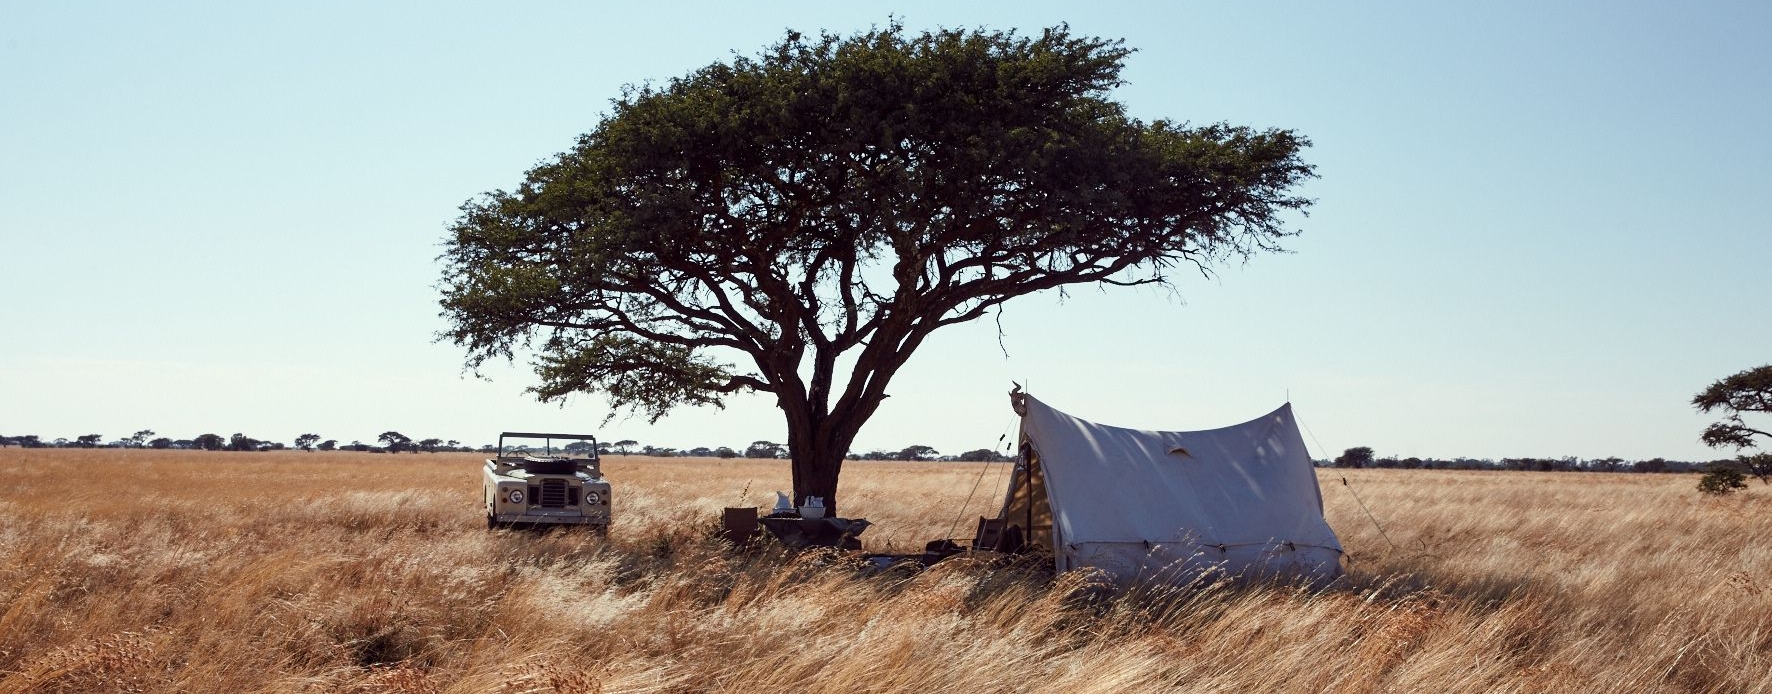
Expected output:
(819, 438)
(817, 449)
(816, 475)
(816, 465)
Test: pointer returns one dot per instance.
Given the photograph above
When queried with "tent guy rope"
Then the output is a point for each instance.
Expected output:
(1344, 483)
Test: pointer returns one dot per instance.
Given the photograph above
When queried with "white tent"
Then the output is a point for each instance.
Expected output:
(1169, 506)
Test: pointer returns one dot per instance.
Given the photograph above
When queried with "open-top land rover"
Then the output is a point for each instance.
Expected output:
(551, 479)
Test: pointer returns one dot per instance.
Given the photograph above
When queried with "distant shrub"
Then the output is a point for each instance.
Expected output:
(1722, 479)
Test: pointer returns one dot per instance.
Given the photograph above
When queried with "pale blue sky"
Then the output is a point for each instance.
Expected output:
(1539, 229)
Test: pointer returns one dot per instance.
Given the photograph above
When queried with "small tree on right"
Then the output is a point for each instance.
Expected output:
(1722, 478)
(1759, 465)
(1748, 391)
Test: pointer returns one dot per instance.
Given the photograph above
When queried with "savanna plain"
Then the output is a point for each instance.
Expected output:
(178, 571)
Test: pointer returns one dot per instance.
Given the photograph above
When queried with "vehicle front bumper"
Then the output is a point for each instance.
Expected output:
(550, 518)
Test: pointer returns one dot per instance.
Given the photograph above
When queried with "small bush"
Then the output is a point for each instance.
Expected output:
(1722, 480)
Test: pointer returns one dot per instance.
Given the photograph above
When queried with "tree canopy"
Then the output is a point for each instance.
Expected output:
(395, 441)
(1748, 391)
(1356, 457)
(765, 223)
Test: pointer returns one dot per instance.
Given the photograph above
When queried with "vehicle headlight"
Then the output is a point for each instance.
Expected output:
(592, 499)
(515, 496)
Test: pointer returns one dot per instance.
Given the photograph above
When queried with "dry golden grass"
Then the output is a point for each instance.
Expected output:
(156, 571)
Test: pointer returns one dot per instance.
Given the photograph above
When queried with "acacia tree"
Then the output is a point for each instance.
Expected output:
(917, 452)
(1759, 465)
(1356, 457)
(395, 441)
(761, 224)
(1748, 391)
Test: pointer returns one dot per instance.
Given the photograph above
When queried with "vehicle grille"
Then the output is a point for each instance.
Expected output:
(553, 494)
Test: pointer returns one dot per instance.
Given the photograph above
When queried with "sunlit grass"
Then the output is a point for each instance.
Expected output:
(161, 571)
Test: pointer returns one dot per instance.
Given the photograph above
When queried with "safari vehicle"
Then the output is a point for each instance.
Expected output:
(546, 479)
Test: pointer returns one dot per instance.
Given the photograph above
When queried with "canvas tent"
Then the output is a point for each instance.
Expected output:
(1169, 505)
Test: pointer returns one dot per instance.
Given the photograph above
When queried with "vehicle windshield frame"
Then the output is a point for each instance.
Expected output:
(553, 445)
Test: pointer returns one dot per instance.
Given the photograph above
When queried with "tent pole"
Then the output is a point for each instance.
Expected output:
(1028, 530)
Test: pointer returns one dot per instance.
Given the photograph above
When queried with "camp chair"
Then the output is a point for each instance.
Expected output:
(997, 535)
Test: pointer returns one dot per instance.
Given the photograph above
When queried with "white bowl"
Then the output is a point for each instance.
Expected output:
(812, 512)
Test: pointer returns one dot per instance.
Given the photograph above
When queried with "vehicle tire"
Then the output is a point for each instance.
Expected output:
(491, 523)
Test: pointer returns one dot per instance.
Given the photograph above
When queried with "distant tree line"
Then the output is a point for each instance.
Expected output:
(392, 442)
(396, 442)
(1363, 457)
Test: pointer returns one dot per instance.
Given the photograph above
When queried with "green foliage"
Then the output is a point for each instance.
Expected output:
(1722, 479)
(1748, 391)
(650, 377)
